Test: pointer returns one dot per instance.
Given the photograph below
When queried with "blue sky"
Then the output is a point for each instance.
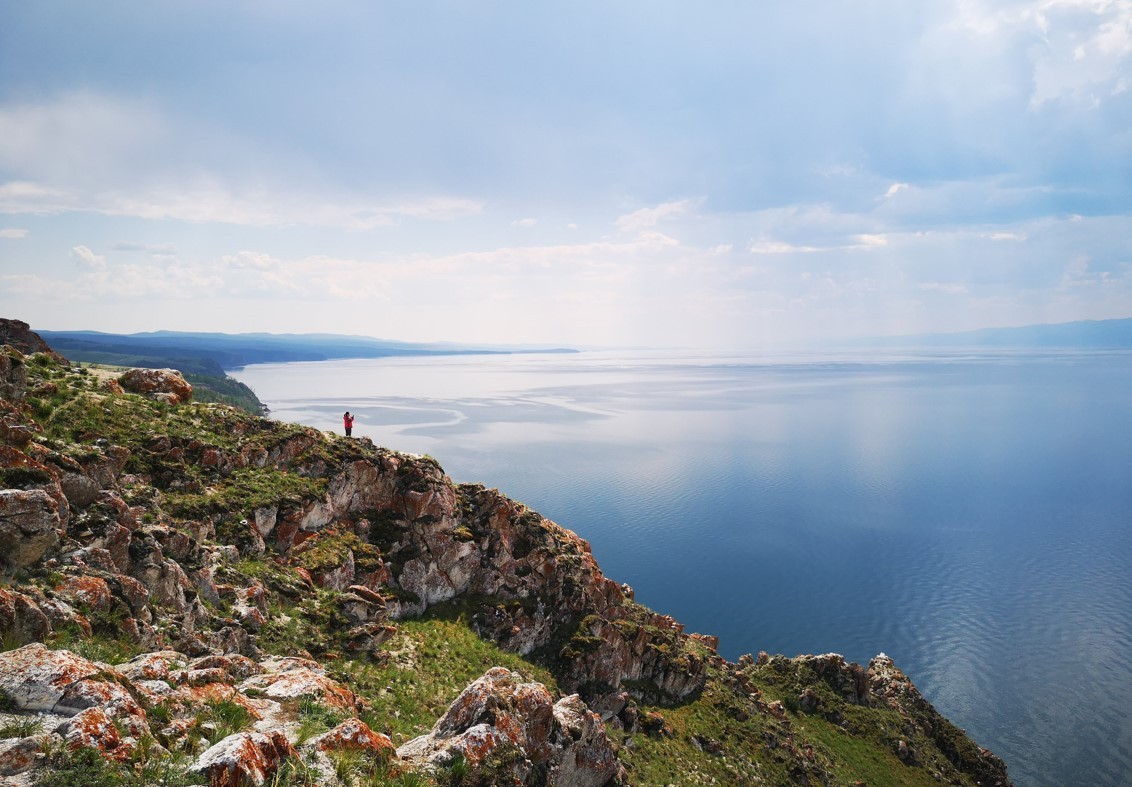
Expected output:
(590, 173)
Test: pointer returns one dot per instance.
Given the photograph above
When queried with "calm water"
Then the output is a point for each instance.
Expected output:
(969, 515)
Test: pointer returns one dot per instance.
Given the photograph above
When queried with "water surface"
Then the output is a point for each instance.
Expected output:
(966, 514)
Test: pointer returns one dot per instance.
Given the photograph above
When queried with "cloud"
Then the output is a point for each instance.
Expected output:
(1086, 52)
(252, 260)
(12, 233)
(85, 151)
(870, 241)
(779, 247)
(650, 217)
(524, 222)
(87, 258)
(215, 203)
(895, 189)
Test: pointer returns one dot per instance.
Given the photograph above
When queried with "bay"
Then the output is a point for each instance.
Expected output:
(968, 514)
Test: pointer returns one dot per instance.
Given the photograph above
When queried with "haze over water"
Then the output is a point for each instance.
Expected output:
(967, 514)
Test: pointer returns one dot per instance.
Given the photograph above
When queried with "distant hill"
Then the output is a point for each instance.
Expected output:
(1084, 334)
(212, 353)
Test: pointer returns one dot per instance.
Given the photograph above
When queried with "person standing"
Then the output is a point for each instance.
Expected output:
(348, 423)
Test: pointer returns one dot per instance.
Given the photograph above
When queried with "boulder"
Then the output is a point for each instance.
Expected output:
(21, 754)
(57, 681)
(165, 385)
(295, 678)
(94, 729)
(13, 376)
(245, 758)
(21, 619)
(356, 735)
(91, 591)
(29, 525)
(509, 731)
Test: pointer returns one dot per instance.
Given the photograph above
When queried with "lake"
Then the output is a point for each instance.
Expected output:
(969, 514)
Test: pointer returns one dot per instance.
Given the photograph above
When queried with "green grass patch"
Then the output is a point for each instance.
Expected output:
(427, 664)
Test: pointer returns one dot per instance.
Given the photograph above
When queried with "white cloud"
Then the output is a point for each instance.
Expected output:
(871, 241)
(13, 233)
(524, 222)
(895, 189)
(779, 247)
(87, 258)
(253, 260)
(650, 217)
(1085, 51)
(212, 202)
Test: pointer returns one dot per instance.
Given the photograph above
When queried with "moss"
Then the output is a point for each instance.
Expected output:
(23, 477)
(330, 549)
(244, 491)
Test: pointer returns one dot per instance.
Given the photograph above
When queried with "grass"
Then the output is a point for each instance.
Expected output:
(20, 727)
(86, 767)
(99, 647)
(427, 664)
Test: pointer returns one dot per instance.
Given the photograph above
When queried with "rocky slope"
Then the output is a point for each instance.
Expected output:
(204, 596)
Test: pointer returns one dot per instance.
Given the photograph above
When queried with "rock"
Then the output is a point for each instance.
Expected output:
(245, 758)
(12, 430)
(58, 681)
(21, 619)
(563, 741)
(13, 376)
(166, 385)
(294, 678)
(94, 729)
(152, 666)
(80, 490)
(356, 735)
(19, 335)
(29, 526)
(20, 754)
(92, 591)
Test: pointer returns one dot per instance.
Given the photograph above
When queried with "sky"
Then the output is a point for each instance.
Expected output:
(712, 174)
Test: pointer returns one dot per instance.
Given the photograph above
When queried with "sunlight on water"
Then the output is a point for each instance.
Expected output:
(968, 515)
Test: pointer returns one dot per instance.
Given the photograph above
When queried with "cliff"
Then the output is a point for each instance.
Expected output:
(193, 594)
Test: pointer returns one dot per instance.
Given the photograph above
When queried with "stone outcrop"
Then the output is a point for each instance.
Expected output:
(18, 335)
(514, 733)
(13, 375)
(29, 526)
(244, 758)
(165, 385)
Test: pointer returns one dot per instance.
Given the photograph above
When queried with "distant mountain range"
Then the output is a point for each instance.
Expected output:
(213, 353)
(1083, 334)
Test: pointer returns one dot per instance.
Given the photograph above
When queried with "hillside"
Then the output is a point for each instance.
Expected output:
(1082, 334)
(195, 595)
(212, 353)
